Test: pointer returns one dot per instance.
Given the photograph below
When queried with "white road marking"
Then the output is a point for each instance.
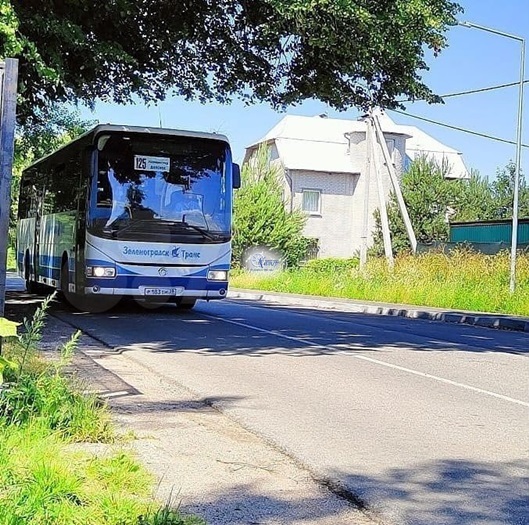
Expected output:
(376, 361)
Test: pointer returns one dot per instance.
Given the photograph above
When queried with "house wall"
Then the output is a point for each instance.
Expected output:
(334, 225)
(340, 224)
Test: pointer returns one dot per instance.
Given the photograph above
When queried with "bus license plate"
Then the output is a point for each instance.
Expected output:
(163, 291)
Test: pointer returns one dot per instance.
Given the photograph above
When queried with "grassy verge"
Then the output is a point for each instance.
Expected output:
(463, 280)
(48, 474)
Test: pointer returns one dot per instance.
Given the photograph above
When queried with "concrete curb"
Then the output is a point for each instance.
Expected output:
(488, 320)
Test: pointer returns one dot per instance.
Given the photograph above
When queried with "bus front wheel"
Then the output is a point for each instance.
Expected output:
(94, 304)
(186, 304)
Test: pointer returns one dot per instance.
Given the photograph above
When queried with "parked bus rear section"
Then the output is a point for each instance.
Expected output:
(129, 211)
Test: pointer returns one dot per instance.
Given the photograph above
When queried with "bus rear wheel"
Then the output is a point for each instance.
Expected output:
(32, 286)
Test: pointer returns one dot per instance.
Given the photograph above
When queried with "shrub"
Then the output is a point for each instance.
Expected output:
(260, 215)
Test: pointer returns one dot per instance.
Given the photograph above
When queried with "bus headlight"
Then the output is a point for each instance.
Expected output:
(100, 271)
(218, 275)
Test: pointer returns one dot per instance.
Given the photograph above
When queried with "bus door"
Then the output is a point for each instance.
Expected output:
(85, 170)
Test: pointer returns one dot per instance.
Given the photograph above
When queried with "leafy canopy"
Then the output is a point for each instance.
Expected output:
(343, 52)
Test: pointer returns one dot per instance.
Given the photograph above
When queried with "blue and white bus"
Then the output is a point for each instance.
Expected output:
(129, 211)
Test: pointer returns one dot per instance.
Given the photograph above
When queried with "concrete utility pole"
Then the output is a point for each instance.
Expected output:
(367, 184)
(395, 182)
(386, 234)
(8, 97)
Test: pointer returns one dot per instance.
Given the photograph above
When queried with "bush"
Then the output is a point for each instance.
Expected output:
(260, 215)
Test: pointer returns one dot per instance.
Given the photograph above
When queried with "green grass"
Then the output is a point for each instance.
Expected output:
(11, 260)
(47, 475)
(463, 280)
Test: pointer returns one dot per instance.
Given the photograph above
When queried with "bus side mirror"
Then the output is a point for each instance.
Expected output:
(236, 176)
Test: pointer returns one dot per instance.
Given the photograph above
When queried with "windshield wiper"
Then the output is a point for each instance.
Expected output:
(202, 231)
(114, 231)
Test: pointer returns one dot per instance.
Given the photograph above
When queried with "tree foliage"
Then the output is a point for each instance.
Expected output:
(428, 196)
(433, 201)
(260, 215)
(343, 52)
(52, 129)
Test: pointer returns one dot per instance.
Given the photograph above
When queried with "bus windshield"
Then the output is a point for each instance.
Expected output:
(155, 187)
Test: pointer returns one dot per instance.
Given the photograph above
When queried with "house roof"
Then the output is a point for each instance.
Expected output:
(320, 144)
(422, 144)
(330, 157)
(316, 143)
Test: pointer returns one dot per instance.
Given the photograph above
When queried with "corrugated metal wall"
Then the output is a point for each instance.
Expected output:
(489, 231)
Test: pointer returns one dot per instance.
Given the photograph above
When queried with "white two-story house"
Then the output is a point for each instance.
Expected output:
(324, 162)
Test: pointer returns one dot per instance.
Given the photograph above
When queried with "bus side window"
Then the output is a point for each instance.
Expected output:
(24, 201)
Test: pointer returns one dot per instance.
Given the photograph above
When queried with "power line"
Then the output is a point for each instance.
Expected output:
(469, 131)
(470, 91)
(482, 90)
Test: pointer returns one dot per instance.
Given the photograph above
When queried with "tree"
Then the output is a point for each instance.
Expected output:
(433, 201)
(503, 193)
(344, 52)
(260, 215)
(430, 199)
(482, 199)
(48, 132)
(475, 200)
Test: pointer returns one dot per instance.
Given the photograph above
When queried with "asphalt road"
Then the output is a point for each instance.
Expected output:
(425, 422)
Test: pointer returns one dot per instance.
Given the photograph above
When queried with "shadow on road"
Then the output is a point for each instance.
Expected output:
(309, 332)
(451, 492)
(443, 493)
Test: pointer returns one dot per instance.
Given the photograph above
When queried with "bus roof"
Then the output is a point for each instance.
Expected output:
(101, 128)
(89, 136)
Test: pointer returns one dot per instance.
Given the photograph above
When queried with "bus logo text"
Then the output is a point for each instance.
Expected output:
(176, 253)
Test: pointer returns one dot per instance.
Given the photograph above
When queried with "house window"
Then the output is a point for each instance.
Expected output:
(311, 202)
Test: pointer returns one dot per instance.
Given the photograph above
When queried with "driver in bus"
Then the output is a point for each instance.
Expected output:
(119, 197)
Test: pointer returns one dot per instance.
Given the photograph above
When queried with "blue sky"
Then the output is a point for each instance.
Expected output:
(474, 59)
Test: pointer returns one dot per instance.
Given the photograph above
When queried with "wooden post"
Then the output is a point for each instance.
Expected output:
(8, 97)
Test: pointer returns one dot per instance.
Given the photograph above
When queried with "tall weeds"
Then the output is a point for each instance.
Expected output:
(39, 392)
(43, 479)
(462, 280)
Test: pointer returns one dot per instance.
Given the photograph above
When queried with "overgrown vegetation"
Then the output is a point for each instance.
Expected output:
(260, 215)
(463, 280)
(45, 479)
